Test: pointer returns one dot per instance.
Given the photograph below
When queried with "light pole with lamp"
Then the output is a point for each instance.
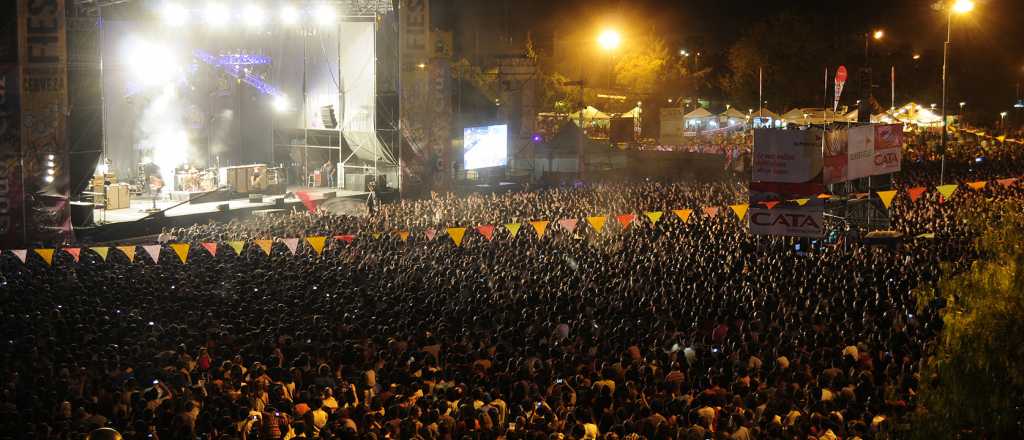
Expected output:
(610, 40)
(958, 7)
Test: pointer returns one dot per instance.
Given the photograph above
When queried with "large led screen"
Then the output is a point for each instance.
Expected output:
(485, 146)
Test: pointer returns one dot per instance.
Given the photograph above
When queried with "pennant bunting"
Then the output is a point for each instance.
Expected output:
(211, 248)
(487, 231)
(1007, 182)
(710, 211)
(47, 255)
(915, 193)
(317, 243)
(824, 196)
(540, 226)
(740, 210)
(237, 246)
(266, 245)
(597, 222)
(292, 244)
(947, 190)
(375, 235)
(802, 202)
(683, 214)
(513, 228)
(431, 233)
(887, 197)
(102, 251)
(22, 254)
(977, 185)
(75, 252)
(347, 238)
(154, 252)
(182, 250)
(654, 216)
(404, 235)
(569, 224)
(128, 251)
(456, 234)
(625, 220)
(307, 201)
(770, 204)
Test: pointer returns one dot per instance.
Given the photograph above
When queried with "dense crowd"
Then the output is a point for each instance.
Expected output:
(666, 331)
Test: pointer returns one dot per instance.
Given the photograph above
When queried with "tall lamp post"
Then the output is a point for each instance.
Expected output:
(610, 40)
(957, 7)
(864, 106)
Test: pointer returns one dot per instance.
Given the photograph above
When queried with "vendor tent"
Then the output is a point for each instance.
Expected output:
(765, 113)
(732, 113)
(699, 118)
(634, 113)
(589, 114)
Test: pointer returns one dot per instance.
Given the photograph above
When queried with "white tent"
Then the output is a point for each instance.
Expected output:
(698, 113)
(634, 113)
(732, 113)
(589, 114)
(915, 114)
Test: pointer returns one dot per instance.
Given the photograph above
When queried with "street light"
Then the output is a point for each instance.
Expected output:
(878, 34)
(962, 104)
(917, 56)
(609, 39)
(957, 7)
(684, 53)
(1002, 121)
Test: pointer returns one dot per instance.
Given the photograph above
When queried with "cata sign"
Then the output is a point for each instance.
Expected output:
(805, 221)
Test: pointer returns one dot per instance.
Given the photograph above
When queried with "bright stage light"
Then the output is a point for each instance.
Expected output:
(609, 39)
(280, 104)
(174, 14)
(254, 16)
(150, 64)
(48, 179)
(289, 15)
(963, 6)
(326, 15)
(216, 14)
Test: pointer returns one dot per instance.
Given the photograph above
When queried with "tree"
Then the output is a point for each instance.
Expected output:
(974, 381)
(645, 65)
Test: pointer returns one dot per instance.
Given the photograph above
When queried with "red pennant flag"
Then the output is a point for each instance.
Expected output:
(306, 200)
(771, 204)
(347, 238)
(625, 220)
(1007, 182)
(431, 233)
(211, 248)
(915, 193)
(569, 224)
(75, 252)
(486, 230)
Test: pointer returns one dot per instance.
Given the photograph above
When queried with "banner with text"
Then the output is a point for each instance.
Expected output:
(671, 126)
(804, 221)
(888, 145)
(787, 156)
(835, 156)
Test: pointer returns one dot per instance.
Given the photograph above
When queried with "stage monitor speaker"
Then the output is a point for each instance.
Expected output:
(223, 207)
(255, 198)
(327, 116)
(81, 213)
(382, 181)
(279, 203)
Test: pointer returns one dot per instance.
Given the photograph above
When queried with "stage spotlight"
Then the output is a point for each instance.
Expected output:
(326, 15)
(48, 179)
(280, 103)
(254, 16)
(289, 15)
(174, 14)
(151, 64)
(216, 14)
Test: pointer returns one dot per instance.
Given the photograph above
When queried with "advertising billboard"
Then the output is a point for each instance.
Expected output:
(485, 147)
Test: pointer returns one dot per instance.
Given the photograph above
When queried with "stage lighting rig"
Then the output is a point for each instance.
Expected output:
(216, 15)
(254, 16)
(174, 14)
(326, 14)
(289, 15)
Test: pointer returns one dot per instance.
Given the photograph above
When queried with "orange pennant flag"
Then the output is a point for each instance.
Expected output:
(47, 255)
(266, 245)
(487, 231)
(824, 196)
(947, 190)
(684, 214)
(101, 251)
(456, 234)
(404, 235)
(1007, 182)
(597, 222)
(770, 204)
(887, 197)
(75, 252)
(182, 250)
(740, 210)
(915, 193)
(540, 226)
(513, 228)
(128, 251)
(317, 243)
(237, 246)
(210, 247)
(977, 185)
(625, 220)
(710, 211)
(654, 216)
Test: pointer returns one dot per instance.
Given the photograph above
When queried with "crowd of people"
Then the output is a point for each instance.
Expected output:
(661, 331)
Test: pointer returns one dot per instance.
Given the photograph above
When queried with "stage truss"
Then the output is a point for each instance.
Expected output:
(352, 8)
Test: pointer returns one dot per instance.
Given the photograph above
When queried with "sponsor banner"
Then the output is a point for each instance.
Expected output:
(806, 221)
(888, 145)
(12, 195)
(672, 132)
(424, 92)
(835, 157)
(861, 152)
(789, 156)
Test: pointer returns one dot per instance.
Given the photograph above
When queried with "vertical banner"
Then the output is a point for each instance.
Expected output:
(671, 126)
(887, 148)
(42, 52)
(861, 151)
(12, 197)
(788, 164)
(835, 156)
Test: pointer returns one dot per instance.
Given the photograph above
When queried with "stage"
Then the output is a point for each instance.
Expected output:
(134, 221)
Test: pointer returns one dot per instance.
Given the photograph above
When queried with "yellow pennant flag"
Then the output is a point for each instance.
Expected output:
(684, 214)
(513, 228)
(654, 216)
(802, 202)
(540, 226)
(597, 222)
(128, 251)
(182, 250)
(740, 210)
(47, 255)
(101, 251)
(265, 245)
(456, 234)
(317, 243)
(946, 190)
(977, 185)
(375, 235)
(404, 235)
(886, 197)
(237, 246)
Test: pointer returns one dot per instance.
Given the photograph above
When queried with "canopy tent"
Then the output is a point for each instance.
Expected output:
(765, 113)
(815, 116)
(700, 118)
(912, 113)
(732, 113)
(590, 114)
(698, 113)
(634, 113)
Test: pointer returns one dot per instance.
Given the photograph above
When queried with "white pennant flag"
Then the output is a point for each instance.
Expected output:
(22, 254)
(292, 243)
(154, 252)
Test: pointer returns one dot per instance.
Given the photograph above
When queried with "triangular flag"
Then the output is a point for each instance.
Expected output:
(513, 228)
(75, 252)
(375, 235)
(404, 235)
(1001, 138)
(740, 210)
(1007, 182)
(237, 246)
(569, 224)
(540, 226)
(128, 251)
(915, 193)
(625, 220)
(886, 197)
(654, 216)
(683, 214)
(317, 243)
(347, 238)
(487, 231)
(291, 243)
(307, 201)
(824, 196)
(22, 254)
(430, 234)
(456, 234)
(210, 247)
(802, 202)
(154, 252)
(265, 245)
(47, 255)
(182, 250)
(597, 222)
(770, 204)
(710, 211)
(102, 251)
(977, 185)
(946, 190)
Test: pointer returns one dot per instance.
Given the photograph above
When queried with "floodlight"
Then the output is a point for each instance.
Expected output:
(216, 14)
(963, 6)
(289, 15)
(254, 16)
(174, 14)
(280, 103)
(609, 39)
(326, 15)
